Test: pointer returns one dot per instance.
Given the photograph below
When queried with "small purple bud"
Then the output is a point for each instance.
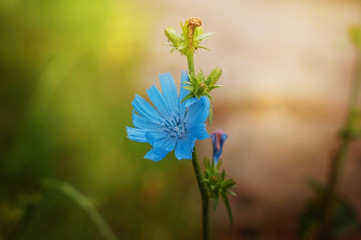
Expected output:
(218, 137)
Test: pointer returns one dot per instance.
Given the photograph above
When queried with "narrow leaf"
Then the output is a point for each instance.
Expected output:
(226, 202)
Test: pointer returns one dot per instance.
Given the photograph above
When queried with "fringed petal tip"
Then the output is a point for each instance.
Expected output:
(136, 134)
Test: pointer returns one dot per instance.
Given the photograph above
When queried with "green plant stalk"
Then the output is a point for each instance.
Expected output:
(197, 169)
(84, 203)
(338, 160)
(202, 189)
(190, 62)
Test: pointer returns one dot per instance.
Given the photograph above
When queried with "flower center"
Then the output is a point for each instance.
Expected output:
(174, 127)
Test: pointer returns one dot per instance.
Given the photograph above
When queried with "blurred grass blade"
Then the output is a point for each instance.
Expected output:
(84, 203)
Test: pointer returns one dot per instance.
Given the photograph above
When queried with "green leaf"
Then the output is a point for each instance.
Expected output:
(190, 88)
(187, 82)
(223, 174)
(203, 36)
(210, 114)
(316, 186)
(344, 218)
(189, 96)
(226, 202)
(203, 48)
(231, 192)
(215, 86)
(309, 220)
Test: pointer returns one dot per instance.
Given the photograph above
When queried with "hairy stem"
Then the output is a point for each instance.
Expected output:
(339, 157)
(202, 189)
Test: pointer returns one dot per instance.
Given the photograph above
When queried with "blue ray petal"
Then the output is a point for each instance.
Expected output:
(198, 131)
(191, 101)
(182, 93)
(169, 91)
(135, 134)
(158, 100)
(161, 140)
(144, 123)
(197, 112)
(155, 138)
(184, 148)
(156, 154)
(146, 110)
(169, 144)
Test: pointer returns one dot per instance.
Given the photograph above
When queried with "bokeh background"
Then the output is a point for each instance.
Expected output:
(69, 70)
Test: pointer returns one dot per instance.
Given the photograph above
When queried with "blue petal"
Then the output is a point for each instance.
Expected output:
(143, 123)
(183, 92)
(169, 91)
(197, 112)
(160, 139)
(135, 134)
(158, 100)
(199, 131)
(146, 110)
(154, 137)
(169, 143)
(224, 137)
(191, 101)
(184, 148)
(156, 154)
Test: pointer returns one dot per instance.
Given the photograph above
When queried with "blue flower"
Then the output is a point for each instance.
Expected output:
(171, 124)
(218, 138)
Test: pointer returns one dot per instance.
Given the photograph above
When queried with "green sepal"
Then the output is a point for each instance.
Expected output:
(210, 113)
(203, 48)
(203, 36)
(217, 185)
(190, 88)
(228, 206)
(214, 76)
(189, 96)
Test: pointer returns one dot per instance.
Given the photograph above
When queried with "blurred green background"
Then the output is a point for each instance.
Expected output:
(67, 70)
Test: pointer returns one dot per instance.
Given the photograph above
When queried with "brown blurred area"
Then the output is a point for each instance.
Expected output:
(288, 68)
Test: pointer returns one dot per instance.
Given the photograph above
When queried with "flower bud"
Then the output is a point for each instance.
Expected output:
(173, 36)
(218, 138)
(214, 76)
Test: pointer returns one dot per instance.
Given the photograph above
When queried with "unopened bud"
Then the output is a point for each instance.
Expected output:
(173, 36)
(214, 76)
(193, 22)
(218, 138)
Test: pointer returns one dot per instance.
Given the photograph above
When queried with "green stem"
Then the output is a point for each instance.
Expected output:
(338, 160)
(190, 62)
(197, 169)
(84, 204)
(202, 189)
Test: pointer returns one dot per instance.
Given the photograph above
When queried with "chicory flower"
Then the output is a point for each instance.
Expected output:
(172, 124)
